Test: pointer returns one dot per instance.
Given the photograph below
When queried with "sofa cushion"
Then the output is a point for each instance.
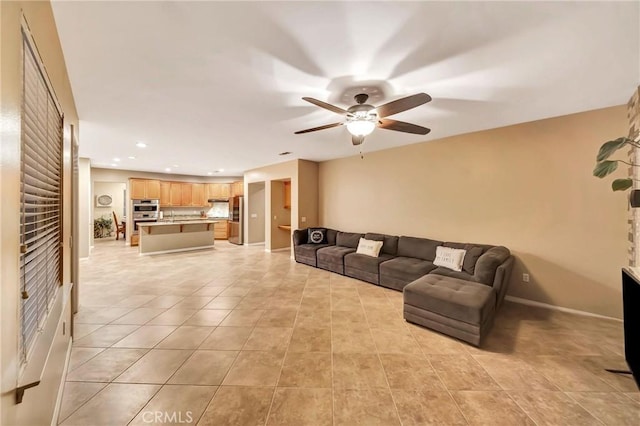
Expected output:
(488, 263)
(390, 242)
(406, 269)
(317, 235)
(309, 249)
(348, 239)
(331, 236)
(462, 275)
(474, 251)
(421, 248)
(364, 262)
(465, 301)
(334, 253)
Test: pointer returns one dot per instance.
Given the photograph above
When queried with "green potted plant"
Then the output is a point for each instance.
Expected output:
(605, 166)
(102, 227)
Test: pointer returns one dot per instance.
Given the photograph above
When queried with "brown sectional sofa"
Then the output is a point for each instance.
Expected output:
(461, 304)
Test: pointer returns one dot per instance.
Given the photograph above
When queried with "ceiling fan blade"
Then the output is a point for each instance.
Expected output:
(402, 104)
(401, 126)
(326, 126)
(325, 105)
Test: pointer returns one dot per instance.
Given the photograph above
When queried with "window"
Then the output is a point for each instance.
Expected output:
(41, 198)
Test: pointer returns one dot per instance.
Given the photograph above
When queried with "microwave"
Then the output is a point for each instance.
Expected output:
(145, 206)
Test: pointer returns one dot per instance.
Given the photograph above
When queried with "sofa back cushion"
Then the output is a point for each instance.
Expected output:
(389, 242)
(348, 239)
(331, 236)
(488, 264)
(420, 248)
(474, 251)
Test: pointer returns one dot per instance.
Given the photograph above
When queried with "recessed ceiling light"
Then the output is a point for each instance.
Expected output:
(114, 165)
(221, 170)
(131, 157)
(116, 159)
(209, 173)
(175, 165)
(168, 169)
(285, 153)
(141, 145)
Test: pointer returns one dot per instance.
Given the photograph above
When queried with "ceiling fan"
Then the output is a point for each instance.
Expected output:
(362, 118)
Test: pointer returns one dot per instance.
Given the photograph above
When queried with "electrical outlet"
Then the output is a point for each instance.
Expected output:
(254, 215)
(275, 218)
(525, 278)
(303, 219)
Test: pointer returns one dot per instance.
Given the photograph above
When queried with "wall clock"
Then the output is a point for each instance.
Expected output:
(104, 201)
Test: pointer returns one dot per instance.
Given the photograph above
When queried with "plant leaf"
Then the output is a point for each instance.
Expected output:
(622, 184)
(604, 168)
(610, 147)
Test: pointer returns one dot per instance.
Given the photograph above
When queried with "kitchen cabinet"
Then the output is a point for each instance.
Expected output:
(186, 195)
(287, 195)
(144, 188)
(218, 190)
(221, 230)
(165, 193)
(176, 194)
(135, 239)
(237, 189)
(198, 198)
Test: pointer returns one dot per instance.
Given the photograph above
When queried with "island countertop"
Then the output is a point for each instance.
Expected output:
(178, 222)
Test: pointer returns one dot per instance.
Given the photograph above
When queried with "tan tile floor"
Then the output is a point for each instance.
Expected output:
(237, 336)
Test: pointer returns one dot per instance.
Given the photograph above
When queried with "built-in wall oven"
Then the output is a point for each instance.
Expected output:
(144, 211)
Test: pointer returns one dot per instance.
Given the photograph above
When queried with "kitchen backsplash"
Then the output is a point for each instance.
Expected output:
(191, 213)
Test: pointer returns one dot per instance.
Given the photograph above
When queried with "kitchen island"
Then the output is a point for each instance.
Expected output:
(168, 237)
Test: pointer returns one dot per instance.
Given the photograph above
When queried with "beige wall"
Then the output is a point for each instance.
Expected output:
(528, 187)
(307, 193)
(116, 191)
(255, 199)
(39, 403)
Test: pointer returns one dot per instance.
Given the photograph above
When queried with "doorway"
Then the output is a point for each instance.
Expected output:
(280, 214)
(109, 198)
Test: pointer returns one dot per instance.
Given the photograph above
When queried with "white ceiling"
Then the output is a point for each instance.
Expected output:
(218, 85)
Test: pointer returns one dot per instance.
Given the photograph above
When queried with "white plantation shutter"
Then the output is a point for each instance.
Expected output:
(41, 199)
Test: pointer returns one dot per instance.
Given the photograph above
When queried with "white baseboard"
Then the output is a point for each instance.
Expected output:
(261, 243)
(56, 410)
(557, 308)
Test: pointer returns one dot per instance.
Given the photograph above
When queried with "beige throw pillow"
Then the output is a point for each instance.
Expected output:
(369, 247)
(449, 258)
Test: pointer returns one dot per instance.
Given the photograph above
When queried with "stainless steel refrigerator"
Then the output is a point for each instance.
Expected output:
(236, 220)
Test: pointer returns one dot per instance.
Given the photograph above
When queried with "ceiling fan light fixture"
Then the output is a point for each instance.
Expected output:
(361, 127)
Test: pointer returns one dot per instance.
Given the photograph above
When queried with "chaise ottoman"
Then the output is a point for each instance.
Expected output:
(458, 308)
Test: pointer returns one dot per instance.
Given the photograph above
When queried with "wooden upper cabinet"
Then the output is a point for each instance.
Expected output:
(175, 195)
(218, 190)
(153, 189)
(287, 195)
(198, 198)
(237, 188)
(186, 194)
(165, 193)
(144, 188)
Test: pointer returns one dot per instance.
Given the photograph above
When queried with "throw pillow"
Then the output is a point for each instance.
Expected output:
(449, 258)
(369, 247)
(317, 235)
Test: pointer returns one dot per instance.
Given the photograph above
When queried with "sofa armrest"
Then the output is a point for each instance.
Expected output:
(300, 236)
(501, 280)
